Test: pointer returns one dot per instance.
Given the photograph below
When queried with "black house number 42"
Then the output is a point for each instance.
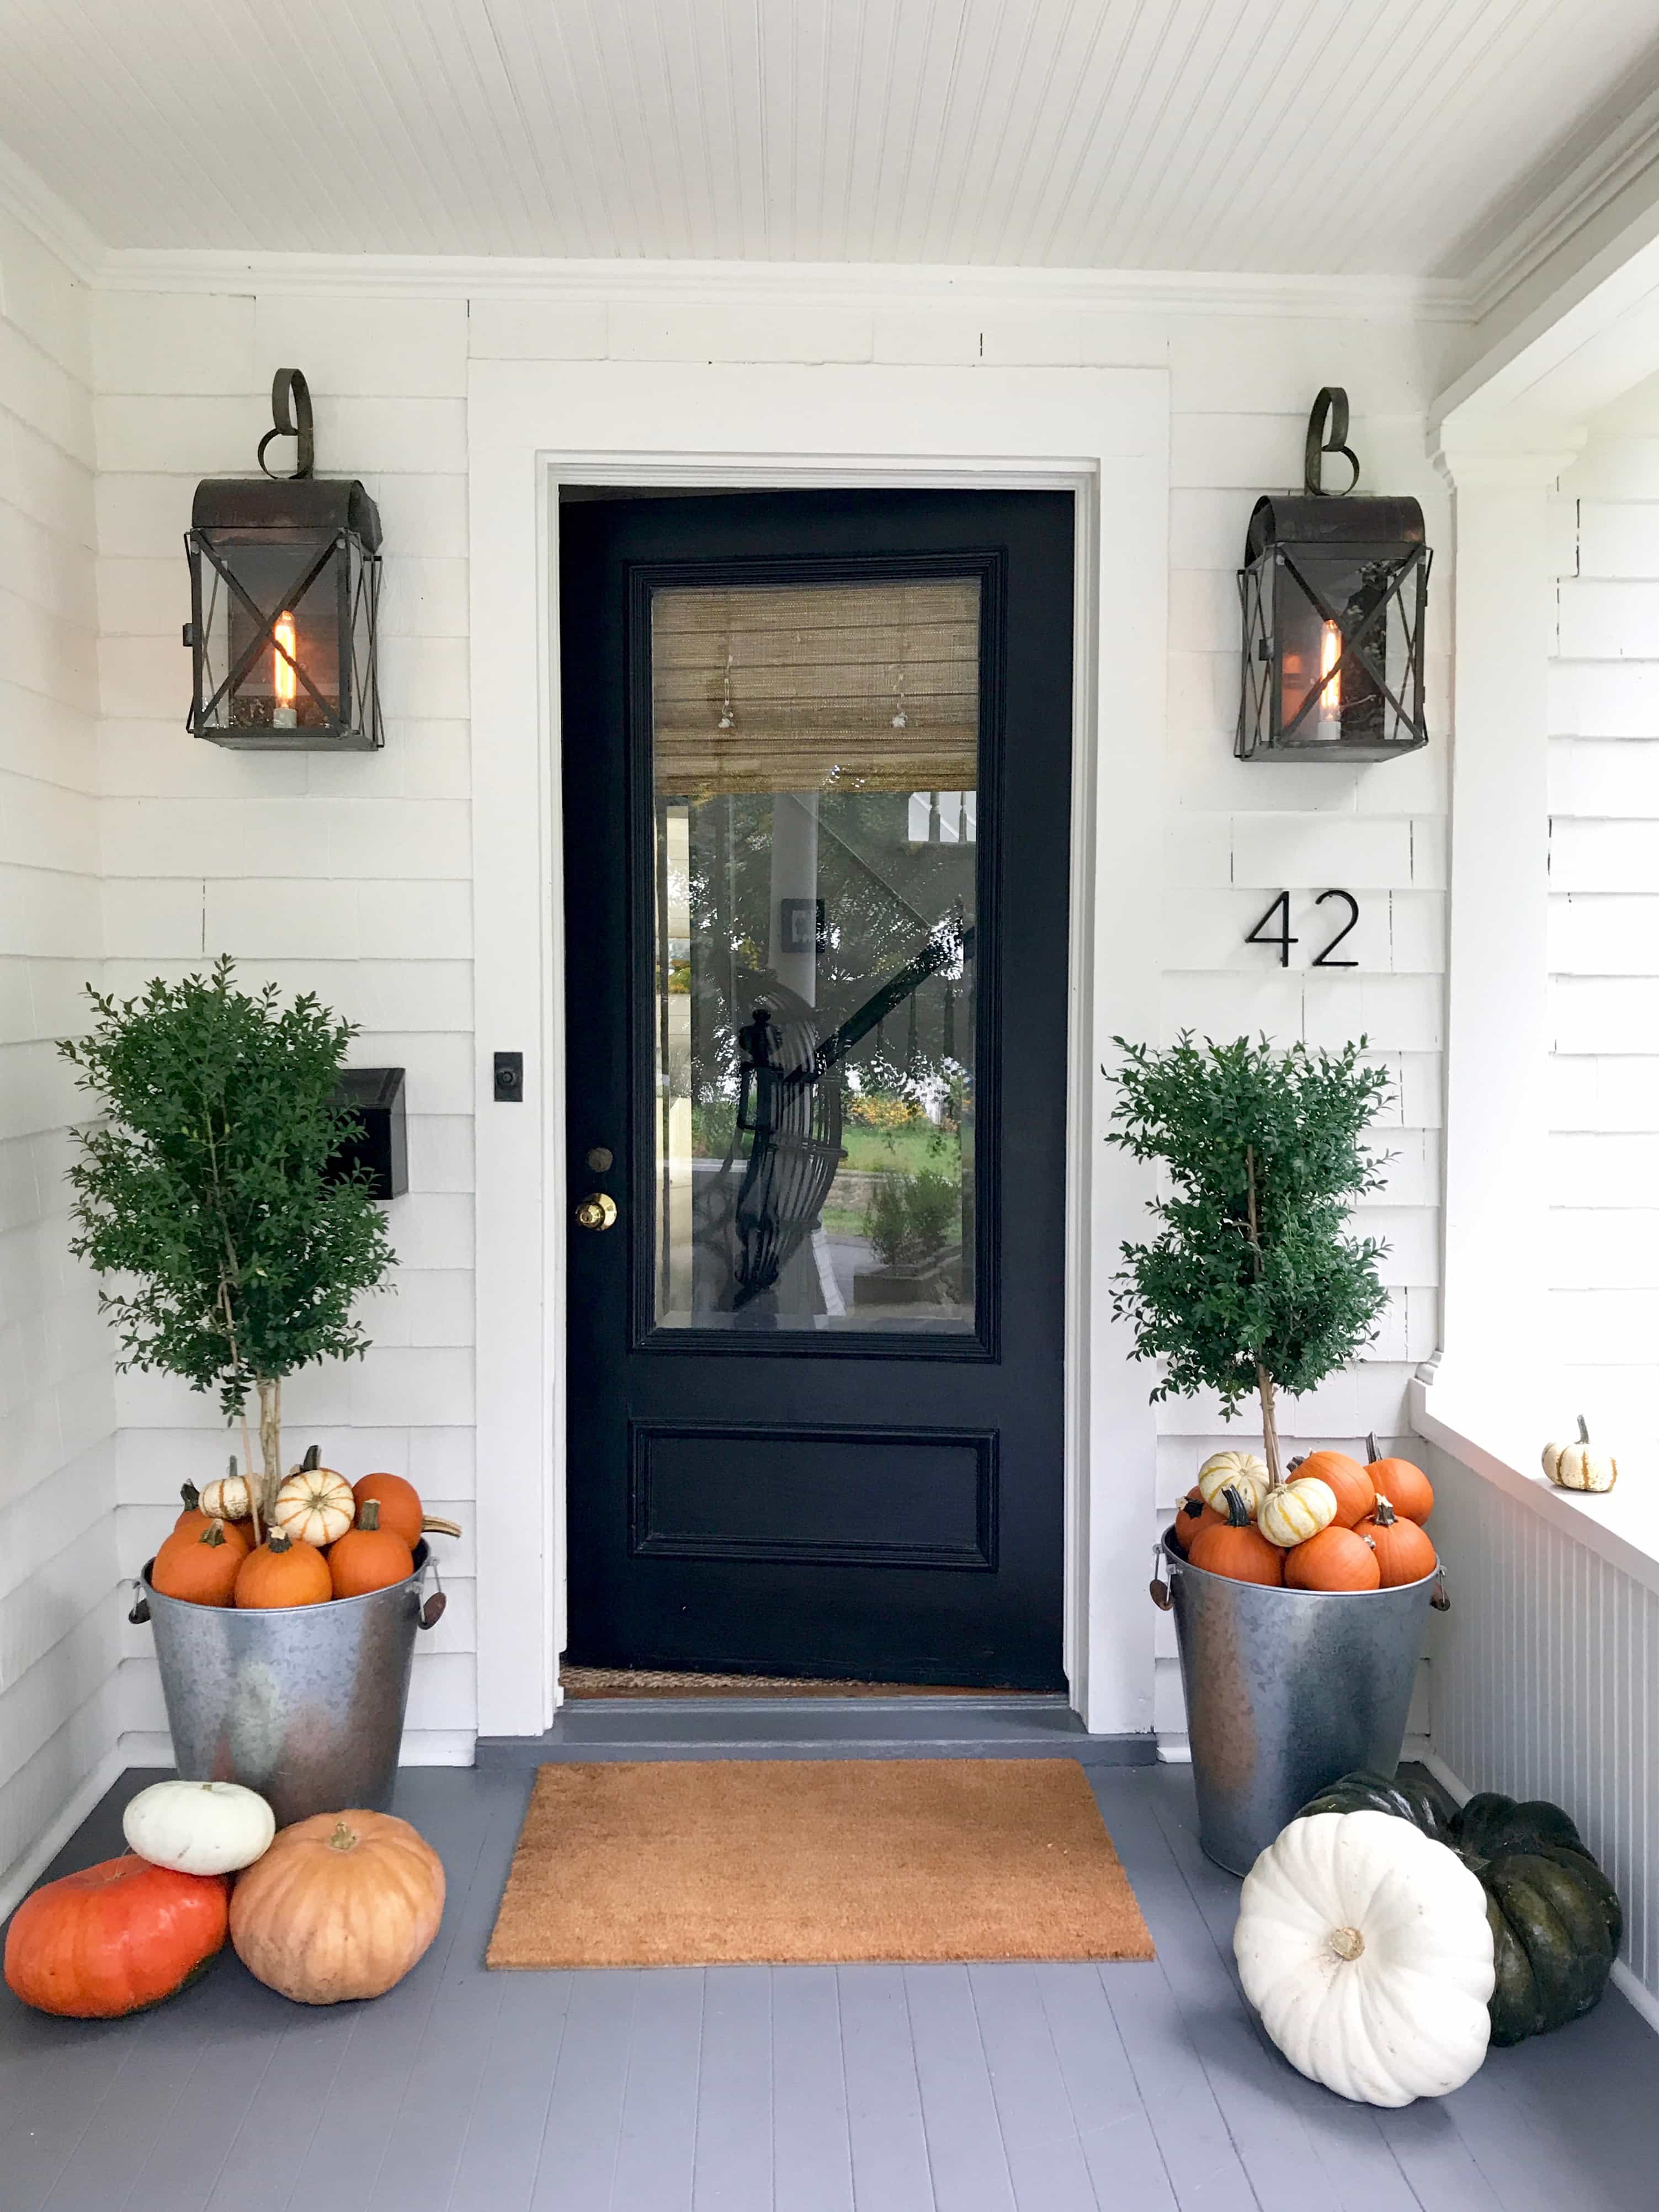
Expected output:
(1281, 936)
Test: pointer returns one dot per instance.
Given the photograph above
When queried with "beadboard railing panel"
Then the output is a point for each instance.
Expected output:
(1545, 1684)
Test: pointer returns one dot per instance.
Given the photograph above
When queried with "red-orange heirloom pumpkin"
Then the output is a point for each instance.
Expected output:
(114, 1938)
(400, 1503)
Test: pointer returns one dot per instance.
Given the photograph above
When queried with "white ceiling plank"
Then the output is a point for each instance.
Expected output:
(1408, 138)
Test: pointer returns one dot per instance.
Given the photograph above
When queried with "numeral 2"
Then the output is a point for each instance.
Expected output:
(1324, 959)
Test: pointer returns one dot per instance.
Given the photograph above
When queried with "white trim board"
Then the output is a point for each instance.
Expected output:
(22, 1874)
(1102, 433)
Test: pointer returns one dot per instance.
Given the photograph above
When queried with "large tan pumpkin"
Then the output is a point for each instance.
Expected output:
(342, 1906)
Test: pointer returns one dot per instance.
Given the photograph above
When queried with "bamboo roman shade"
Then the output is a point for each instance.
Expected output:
(809, 687)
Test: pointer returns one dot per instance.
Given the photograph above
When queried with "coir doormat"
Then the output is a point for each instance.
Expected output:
(726, 1861)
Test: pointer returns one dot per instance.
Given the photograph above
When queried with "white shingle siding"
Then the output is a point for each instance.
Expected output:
(59, 1611)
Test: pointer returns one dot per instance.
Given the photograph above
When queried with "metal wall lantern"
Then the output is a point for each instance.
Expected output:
(1333, 591)
(285, 584)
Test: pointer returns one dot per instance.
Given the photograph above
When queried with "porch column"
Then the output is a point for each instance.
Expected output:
(1498, 1039)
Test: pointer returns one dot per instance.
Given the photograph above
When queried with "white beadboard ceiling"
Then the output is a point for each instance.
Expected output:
(1407, 137)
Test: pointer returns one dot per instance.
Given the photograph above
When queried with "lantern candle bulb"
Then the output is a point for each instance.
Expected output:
(283, 715)
(1329, 725)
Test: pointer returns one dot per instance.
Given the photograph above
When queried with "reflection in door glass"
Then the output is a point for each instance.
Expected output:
(816, 774)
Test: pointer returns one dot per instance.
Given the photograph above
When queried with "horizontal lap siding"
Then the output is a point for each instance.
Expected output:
(349, 876)
(59, 1614)
(352, 875)
(1603, 1159)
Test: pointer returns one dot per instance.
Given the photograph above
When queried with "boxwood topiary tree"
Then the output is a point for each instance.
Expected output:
(231, 1260)
(1253, 1283)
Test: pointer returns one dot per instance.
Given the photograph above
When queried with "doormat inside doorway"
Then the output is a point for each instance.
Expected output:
(581, 1682)
(668, 1862)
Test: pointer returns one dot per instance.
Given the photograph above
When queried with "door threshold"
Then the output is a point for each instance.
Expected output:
(615, 1684)
(1017, 1725)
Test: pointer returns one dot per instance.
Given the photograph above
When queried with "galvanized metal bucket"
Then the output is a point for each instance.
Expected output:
(1286, 1690)
(303, 1703)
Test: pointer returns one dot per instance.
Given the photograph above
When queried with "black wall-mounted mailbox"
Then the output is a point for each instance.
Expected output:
(375, 1095)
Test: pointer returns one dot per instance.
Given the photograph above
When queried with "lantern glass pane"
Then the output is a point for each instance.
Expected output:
(284, 648)
(1344, 636)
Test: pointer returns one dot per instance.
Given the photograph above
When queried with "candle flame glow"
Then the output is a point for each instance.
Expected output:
(284, 683)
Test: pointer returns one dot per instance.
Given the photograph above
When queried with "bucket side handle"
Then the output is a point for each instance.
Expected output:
(433, 1611)
(1162, 1596)
(1442, 1599)
(140, 1613)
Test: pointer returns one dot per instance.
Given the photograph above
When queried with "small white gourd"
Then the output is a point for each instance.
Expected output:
(229, 1499)
(1233, 1470)
(1294, 1510)
(199, 1827)
(1364, 1945)
(1580, 1465)
(314, 1505)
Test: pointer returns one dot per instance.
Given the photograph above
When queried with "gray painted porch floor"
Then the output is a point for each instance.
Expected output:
(807, 2089)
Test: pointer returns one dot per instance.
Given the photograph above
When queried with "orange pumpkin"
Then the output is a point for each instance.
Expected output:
(200, 1570)
(280, 1571)
(369, 1557)
(1404, 1552)
(1355, 1497)
(400, 1503)
(341, 1906)
(1404, 1485)
(1236, 1547)
(193, 1522)
(114, 1938)
(1335, 1559)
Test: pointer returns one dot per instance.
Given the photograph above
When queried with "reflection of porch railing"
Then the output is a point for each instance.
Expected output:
(793, 1117)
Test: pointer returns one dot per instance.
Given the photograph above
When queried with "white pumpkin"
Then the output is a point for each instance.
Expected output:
(1235, 1470)
(199, 1827)
(1364, 1945)
(1580, 1465)
(315, 1505)
(229, 1499)
(1294, 1510)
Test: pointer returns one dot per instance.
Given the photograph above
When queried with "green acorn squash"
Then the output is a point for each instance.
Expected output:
(1419, 1800)
(1493, 1825)
(1552, 1948)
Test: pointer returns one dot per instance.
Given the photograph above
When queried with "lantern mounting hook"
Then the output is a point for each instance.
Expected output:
(1331, 408)
(290, 417)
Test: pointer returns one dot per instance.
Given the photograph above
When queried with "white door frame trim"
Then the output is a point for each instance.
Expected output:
(1103, 434)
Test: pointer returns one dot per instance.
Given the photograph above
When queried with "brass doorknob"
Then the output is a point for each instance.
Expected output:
(597, 1211)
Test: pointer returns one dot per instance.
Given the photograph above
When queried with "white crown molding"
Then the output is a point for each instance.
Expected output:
(1618, 161)
(771, 282)
(30, 201)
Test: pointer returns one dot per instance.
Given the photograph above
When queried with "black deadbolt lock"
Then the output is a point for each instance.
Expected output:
(509, 1077)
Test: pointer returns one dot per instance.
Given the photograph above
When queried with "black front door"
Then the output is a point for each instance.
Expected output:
(816, 770)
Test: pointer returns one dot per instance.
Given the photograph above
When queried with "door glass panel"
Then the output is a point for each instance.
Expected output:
(815, 754)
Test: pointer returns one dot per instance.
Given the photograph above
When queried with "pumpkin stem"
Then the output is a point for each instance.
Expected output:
(1385, 1516)
(192, 1496)
(213, 1535)
(313, 1458)
(1370, 1445)
(369, 1513)
(1238, 1513)
(1583, 1432)
(280, 1540)
(1348, 1943)
(344, 1838)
